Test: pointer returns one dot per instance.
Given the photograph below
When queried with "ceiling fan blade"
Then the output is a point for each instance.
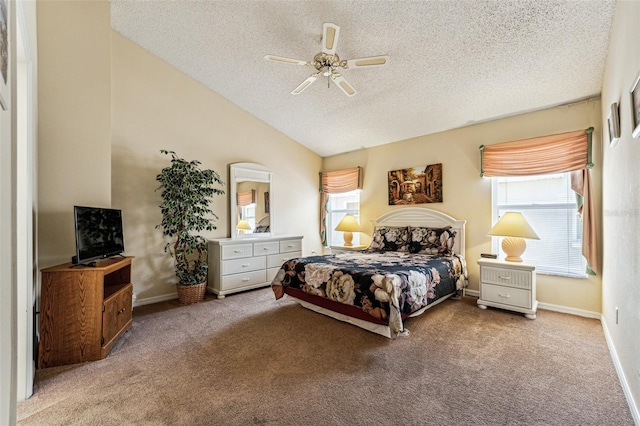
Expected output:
(305, 84)
(286, 60)
(343, 84)
(372, 61)
(330, 33)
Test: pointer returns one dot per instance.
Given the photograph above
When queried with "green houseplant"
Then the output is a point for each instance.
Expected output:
(187, 191)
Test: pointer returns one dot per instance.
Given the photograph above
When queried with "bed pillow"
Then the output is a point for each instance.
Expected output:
(436, 241)
(390, 238)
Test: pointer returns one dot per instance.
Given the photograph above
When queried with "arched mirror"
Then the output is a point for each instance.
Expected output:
(251, 189)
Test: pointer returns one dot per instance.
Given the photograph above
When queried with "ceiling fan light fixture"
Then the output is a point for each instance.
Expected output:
(328, 63)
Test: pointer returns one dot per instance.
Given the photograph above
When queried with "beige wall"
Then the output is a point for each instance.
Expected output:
(74, 119)
(621, 201)
(157, 107)
(468, 196)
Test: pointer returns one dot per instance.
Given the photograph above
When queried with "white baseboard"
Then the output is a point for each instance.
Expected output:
(550, 307)
(154, 299)
(472, 293)
(633, 407)
(568, 310)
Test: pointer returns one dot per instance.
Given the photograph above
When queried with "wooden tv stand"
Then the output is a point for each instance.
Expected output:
(83, 311)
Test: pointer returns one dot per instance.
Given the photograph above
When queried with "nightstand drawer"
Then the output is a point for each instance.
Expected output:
(506, 295)
(506, 277)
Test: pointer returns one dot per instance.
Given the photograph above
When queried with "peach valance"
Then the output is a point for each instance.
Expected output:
(246, 198)
(560, 153)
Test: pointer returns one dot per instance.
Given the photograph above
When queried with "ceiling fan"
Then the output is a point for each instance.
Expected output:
(328, 63)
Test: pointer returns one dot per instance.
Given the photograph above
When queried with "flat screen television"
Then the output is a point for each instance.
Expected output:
(98, 233)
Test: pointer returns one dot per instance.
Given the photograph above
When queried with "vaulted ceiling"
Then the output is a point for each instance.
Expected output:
(451, 63)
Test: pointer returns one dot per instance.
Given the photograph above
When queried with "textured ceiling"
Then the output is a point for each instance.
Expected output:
(451, 63)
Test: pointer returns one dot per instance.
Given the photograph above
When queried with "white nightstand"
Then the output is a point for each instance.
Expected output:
(508, 285)
(342, 249)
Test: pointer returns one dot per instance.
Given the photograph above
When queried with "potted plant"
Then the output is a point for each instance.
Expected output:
(187, 192)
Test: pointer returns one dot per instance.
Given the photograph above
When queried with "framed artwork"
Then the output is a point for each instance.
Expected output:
(635, 107)
(613, 123)
(415, 185)
(4, 55)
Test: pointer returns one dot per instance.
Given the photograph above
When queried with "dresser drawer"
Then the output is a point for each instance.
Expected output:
(506, 277)
(237, 251)
(263, 249)
(271, 274)
(506, 295)
(288, 246)
(236, 266)
(276, 260)
(243, 280)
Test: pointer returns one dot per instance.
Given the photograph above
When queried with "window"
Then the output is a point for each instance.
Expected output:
(549, 205)
(248, 213)
(339, 205)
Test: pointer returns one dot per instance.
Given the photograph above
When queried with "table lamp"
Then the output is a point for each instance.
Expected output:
(243, 226)
(514, 227)
(349, 224)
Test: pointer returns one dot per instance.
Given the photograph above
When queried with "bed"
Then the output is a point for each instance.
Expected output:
(415, 261)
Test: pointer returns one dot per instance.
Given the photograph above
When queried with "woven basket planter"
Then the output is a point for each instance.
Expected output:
(188, 294)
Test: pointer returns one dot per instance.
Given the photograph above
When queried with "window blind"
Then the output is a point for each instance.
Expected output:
(549, 205)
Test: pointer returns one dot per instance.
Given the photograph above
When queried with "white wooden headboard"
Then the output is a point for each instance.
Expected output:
(420, 216)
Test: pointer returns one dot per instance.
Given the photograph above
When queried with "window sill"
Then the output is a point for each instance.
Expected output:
(565, 275)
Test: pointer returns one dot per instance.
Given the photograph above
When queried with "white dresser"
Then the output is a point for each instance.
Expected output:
(246, 263)
(508, 285)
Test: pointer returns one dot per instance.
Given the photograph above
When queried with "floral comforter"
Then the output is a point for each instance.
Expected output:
(386, 285)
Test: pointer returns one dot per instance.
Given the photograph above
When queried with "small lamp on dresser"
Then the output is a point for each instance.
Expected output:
(349, 224)
(514, 227)
(243, 226)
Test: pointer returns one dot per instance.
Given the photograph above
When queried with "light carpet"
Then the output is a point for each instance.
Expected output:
(250, 360)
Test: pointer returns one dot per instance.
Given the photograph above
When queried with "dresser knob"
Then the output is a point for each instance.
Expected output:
(504, 295)
(504, 277)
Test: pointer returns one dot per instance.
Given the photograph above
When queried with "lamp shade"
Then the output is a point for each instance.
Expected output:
(513, 224)
(243, 225)
(349, 224)
(514, 227)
